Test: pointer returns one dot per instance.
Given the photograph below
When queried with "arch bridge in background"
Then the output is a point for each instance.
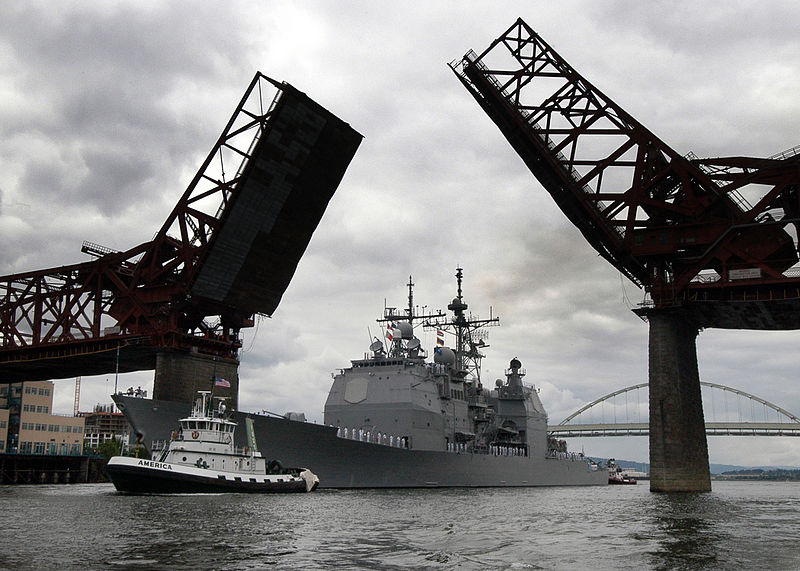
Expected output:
(787, 423)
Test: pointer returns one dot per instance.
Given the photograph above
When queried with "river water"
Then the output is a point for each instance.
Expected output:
(739, 525)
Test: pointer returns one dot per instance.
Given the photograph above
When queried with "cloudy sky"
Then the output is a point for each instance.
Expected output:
(109, 108)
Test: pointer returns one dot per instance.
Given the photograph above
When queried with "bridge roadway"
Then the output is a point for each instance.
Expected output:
(643, 429)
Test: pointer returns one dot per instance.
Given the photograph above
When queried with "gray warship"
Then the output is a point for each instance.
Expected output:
(397, 419)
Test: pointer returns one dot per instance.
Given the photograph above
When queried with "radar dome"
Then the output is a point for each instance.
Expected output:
(444, 356)
(515, 363)
(406, 330)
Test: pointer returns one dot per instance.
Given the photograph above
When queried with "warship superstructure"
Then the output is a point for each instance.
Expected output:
(396, 418)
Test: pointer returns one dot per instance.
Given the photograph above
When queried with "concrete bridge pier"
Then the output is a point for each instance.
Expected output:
(678, 446)
(179, 375)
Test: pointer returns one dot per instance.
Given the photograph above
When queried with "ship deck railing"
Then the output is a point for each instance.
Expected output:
(373, 437)
(573, 456)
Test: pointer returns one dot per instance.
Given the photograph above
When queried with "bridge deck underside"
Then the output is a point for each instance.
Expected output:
(84, 358)
(762, 308)
(281, 198)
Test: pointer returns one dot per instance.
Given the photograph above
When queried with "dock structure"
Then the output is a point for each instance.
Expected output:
(49, 469)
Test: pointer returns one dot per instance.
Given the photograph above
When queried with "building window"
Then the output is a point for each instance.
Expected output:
(38, 447)
(27, 390)
(24, 447)
(2, 424)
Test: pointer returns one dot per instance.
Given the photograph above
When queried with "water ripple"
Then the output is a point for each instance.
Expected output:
(737, 525)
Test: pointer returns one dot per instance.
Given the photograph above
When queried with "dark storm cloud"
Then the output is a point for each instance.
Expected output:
(110, 108)
(100, 85)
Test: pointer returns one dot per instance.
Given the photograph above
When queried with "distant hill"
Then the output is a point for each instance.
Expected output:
(714, 468)
(775, 475)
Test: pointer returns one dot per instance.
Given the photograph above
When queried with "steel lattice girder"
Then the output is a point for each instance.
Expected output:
(661, 218)
(160, 293)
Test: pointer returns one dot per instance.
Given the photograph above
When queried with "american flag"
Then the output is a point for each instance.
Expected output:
(219, 382)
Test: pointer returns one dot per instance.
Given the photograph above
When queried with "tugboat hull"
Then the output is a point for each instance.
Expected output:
(140, 476)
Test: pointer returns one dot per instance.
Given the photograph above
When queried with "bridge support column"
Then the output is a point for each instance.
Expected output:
(179, 375)
(678, 447)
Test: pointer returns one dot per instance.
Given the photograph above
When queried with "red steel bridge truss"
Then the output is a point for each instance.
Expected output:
(716, 236)
(226, 252)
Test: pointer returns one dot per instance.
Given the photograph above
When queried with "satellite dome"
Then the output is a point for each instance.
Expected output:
(515, 363)
(444, 356)
(406, 330)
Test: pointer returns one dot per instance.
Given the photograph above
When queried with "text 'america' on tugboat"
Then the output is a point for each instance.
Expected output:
(201, 457)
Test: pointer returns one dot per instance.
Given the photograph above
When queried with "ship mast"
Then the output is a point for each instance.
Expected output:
(470, 334)
(391, 315)
(410, 309)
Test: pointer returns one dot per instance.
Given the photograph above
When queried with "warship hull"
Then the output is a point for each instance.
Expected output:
(345, 463)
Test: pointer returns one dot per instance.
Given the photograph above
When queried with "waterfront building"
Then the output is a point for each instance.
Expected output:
(104, 423)
(28, 425)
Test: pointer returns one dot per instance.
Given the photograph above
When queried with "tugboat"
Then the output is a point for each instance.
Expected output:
(616, 477)
(201, 457)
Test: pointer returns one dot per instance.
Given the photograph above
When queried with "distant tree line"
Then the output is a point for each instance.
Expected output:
(777, 474)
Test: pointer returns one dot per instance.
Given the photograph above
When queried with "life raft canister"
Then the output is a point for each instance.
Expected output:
(195, 435)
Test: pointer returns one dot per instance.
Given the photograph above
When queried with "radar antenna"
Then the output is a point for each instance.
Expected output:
(391, 315)
(469, 331)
